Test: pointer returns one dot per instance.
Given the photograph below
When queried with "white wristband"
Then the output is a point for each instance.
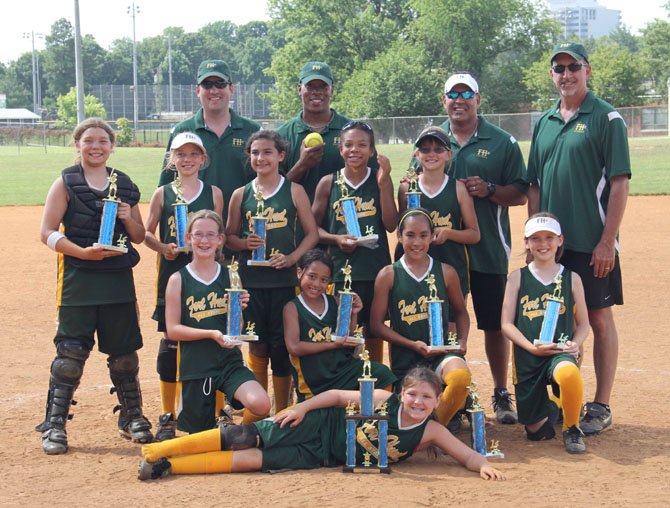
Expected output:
(53, 239)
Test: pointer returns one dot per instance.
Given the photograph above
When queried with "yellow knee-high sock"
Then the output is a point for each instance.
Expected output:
(203, 463)
(282, 390)
(572, 390)
(201, 442)
(259, 366)
(376, 349)
(220, 403)
(454, 395)
(168, 396)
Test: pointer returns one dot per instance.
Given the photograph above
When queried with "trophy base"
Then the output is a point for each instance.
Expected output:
(183, 249)
(495, 455)
(369, 241)
(238, 340)
(366, 469)
(251, 262)
(350, 341)
(556, 345)
(111, 247)
(444, 348)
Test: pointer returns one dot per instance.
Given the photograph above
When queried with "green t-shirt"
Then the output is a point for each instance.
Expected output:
(280, 234)
(168, 233)
(203, 306)
(494, 155)
(573, 163)
(365, 262)
(531, 305)
(294, 132)
(228, 165)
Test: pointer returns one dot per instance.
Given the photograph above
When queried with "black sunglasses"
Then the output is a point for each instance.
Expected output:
(573, 67)
(466, 94)
(207, 85)
(357, 125)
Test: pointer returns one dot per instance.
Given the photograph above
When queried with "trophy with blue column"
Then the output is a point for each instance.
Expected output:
(108, 221)
(413, 192)
(180, 217)
(436, 324)
(478, 427)
(552, 310)
(235, 320)
(347, 207)
(344, 311)
(259, 228)
(372, 418)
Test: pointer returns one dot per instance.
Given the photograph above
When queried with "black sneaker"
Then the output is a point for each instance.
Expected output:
(166, 428)
(155, 470)
(573, 439)
(455, 425)
(545, 432)
(597, 418)
(502, 405)
(225, 417)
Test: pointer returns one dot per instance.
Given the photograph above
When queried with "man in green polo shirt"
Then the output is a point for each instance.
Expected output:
(223, 132)
(307, 165)
(488, 160)
(579, 170)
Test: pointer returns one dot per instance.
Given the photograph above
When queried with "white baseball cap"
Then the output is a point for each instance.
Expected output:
(536, 224)
(184, 138)
(461, 79)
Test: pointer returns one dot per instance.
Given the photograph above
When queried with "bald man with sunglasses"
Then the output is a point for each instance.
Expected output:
(579, 170)
(488, 160)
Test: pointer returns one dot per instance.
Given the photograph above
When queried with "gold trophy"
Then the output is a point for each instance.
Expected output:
(235, 320)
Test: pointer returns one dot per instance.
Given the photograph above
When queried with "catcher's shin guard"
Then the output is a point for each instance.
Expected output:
(123, 370)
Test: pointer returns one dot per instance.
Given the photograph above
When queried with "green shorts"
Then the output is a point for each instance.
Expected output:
(532, 400)
(115, 325)
(198, 396)
(365, 289)
(265, 309)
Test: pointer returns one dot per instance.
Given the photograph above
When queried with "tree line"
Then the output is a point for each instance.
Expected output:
(389, 57)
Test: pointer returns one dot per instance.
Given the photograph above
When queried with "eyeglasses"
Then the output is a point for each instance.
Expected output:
(436, 149)
(199, 236)
(357, 125)
(220, 85)
(466, 94)
(573, 67)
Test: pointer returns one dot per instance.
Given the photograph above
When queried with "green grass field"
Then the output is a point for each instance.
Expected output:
(26, 173)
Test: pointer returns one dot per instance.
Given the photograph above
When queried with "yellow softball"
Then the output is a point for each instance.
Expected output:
(313, 139)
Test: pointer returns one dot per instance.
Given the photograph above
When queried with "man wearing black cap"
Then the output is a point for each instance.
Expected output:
(579, 170)
(223, 132)
(307, 165)
(488, 160)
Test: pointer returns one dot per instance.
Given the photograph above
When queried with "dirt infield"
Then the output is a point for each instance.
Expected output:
(628, 465)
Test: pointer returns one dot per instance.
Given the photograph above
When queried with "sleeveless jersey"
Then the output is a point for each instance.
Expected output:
(446, 213)
(280, 231)
(168, 233)
(321, 371)
(408, 311)
(366, 263)
(530, 314)
(203, 306)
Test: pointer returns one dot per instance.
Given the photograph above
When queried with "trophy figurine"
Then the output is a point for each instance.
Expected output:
(235, 321)
(435, 318)
(108, 221)
(259, 223)
(344, 310)
(180, 217)
(347, 207)
(478, 429)
(378, 419)
(413, 193)
(552, 309)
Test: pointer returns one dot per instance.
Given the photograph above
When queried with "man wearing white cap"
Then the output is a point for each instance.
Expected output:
(579, 170)
(488, 160)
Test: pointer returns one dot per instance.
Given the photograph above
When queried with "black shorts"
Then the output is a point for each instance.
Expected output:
(488, 292)
(599, 293)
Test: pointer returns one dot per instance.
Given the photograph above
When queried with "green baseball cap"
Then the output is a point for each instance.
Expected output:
(316, 70)
(575, 50)
(217, 68)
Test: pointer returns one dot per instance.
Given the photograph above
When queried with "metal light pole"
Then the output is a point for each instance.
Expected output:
(36, 73)
(170, 72)
(79, 65)
(133, 10)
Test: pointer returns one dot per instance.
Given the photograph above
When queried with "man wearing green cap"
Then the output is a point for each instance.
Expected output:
(223, 132)
(307, 165)
(579, 170)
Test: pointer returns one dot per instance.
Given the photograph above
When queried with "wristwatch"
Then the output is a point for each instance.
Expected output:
(491, 187)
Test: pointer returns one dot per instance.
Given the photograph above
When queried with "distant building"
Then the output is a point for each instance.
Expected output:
(584, 18)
